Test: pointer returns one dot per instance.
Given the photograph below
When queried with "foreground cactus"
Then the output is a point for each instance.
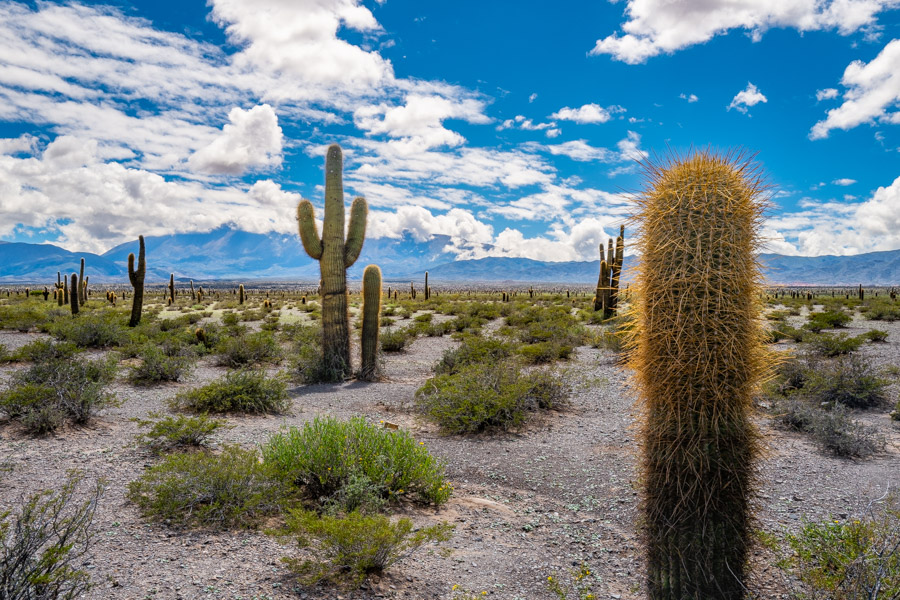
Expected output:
(371, 292)
(335, 255)
(698, 358)
(136, 276)
(81, 291)
(73, 294)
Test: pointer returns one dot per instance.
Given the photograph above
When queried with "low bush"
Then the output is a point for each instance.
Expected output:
(828, 344)
(545, 352)
(176, 433)
(156, 366)
(101, 329)
(243, 391)
(45, 542)
(322, 457)
(832, 428)
(474, 349)
(252, 348)
(831, 319)
(876, 335)
(43, 350)
(351, 547)
(45, 395)
(395, 340)
(850, 381)
(26, 316)
(485, 396)
(783, 331)
(853, 559)
(232, 489)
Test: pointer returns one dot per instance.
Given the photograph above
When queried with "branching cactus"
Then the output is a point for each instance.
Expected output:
(698, 358)
(371, 292)
(616, 272)
(335, 254)
(136, 276)
(172, 288)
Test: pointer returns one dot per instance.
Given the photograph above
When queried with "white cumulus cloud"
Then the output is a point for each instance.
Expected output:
(826, 94)
(872, 95)
(588, 113)
(844, 181)
(253, 139)
(749, 96)
(665, 26)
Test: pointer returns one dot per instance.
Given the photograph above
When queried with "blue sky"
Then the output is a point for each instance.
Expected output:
(511, 127)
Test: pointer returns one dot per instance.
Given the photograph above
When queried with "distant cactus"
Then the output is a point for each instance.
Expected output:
(73, 294)
(427, 289)
(241, 294)
(193, 294)
(136, 276)
(600, 298)
(82, 293)
(335, 256)
(616, 272)
(698, 358)
(84, 289)
(412, 290)
(172, 288)
(45, 293)
(371, 292)
(65, 289)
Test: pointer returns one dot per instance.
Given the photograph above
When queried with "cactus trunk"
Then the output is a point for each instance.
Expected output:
(81, 292)
(335, 255)
(698, 358)
(73, 294)
(136, 276)
(371, 292)
(172, 288)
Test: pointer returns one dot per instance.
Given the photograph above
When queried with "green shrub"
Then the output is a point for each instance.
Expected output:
(253, 348)
(483, 396)
(876, 335)
(831, 428)
(5, 355)
(242, 391)
(29, 315)
(174, 433)
(156, 366)
(230, 319)
(851, 560)
(831, 319)
(882, 312)
(850, 381)
(100, 329)
(47, 393)
(43, 350)
(321, 458)
(828, 344)
(44, 544)
(395, 340)
(474, 349)
(544, 352)
(351, 547)
(783, 331)
(228, 490)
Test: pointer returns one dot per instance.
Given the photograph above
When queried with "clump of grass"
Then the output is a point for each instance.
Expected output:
(322, 457)
(232, 489)
(242, 391)
(168, 433)
(351, 547)
(482, 397)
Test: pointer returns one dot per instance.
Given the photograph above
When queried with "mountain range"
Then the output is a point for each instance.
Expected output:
(227, 253)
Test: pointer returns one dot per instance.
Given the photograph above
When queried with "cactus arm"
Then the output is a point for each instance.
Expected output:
(132, 276)
(309, 233)
(356, 231)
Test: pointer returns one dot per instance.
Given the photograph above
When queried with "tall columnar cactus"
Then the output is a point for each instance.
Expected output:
(427, 289)
(335, 255)
(136, 276)
(241, 294)
(600, 298)
(172, 288)
(66, 289)
(193, 293)
(73, 294)
(615, 274)
(698, 357)
(371, 292)
(81, 292)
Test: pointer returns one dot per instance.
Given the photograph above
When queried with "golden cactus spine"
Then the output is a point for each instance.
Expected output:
(335, 255)
(136, 277)
(698, 357)
(371, 292)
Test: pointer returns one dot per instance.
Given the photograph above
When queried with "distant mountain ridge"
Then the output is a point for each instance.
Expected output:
(227, 253)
